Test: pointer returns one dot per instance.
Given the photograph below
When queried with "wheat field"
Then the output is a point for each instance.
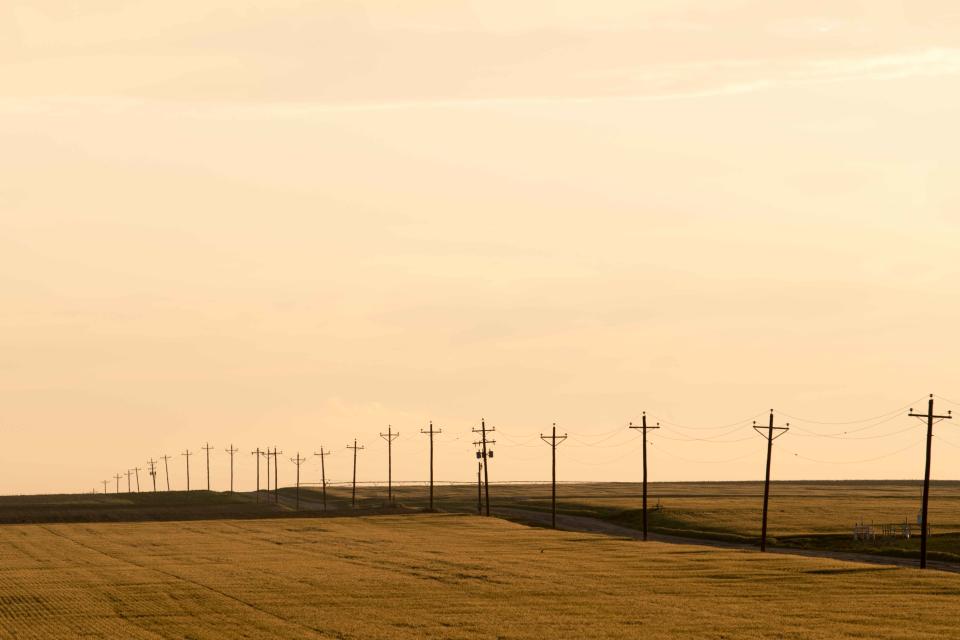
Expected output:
(437, 576)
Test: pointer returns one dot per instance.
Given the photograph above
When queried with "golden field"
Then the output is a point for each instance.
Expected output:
(438, 576)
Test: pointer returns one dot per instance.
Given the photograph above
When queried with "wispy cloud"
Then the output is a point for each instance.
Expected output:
(649, 83)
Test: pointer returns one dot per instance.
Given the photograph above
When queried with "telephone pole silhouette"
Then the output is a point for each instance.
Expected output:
(105, 483)
(188, 453)
(553, 440)
(153, 472)
(430, 432)
(772, 434)
(644, 427)
(208, 448)
(932, 419)
(117, 478)
(485, 455)
(231, 450)
(137, 471)
(323, 474)
(390, 436)
(257, 453)
(298, 461)
(479, 486)
(166, 469)
(353, 495)
(276, 472)
(129, 473)
(267, 454)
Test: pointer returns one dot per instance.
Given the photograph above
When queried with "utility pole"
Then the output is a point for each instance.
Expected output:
(117, 478)
(353, 496)
(105, 483)
(166, 469)
(153, 472)
(276, 471)
(231, 451)
(924, 527)
(430, 432)
(257, 453)
(137, 471)
(644, 428)
(323, 475)
(298, 461)
(485, 455)
(129, 473)
(553, 440)
(479, 487)
(188, 453)
(772, 434)
(207, 448)
(390, 436)
(267, 454)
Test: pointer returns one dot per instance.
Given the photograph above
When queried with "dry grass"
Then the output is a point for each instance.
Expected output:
(442, 576)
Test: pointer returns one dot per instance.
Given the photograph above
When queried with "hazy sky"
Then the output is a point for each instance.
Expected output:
(296, 222)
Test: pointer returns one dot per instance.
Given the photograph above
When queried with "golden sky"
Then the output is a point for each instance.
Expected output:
(295, 223)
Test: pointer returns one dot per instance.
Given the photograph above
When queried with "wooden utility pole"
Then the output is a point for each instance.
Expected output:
(644, 428)
(188, 453)
(390, 436)
(231, 450)
(117, 478)
(153, 472)
(268, 454)
(137, 471)
(353, 496)
(129, 473)
(166, 469)
(931, 419)
(105, 483)
(208, 448)
(276, 475)
(323, 474)
(485, 454)
(431, 431)
(257, 453)
(553, 440)
(479, 487)
(298, 461)
(772, 434)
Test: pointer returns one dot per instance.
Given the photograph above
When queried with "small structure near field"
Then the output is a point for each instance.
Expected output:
(872, 531)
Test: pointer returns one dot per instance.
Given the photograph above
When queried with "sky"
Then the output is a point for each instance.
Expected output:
(296, 223)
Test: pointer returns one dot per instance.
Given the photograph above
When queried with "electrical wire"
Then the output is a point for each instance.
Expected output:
(886, 455)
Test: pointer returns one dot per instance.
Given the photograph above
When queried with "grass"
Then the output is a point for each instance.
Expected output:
(437, 576)
(813, 515)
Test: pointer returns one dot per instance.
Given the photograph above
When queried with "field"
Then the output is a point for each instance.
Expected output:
(437, 575)
(814, 515)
